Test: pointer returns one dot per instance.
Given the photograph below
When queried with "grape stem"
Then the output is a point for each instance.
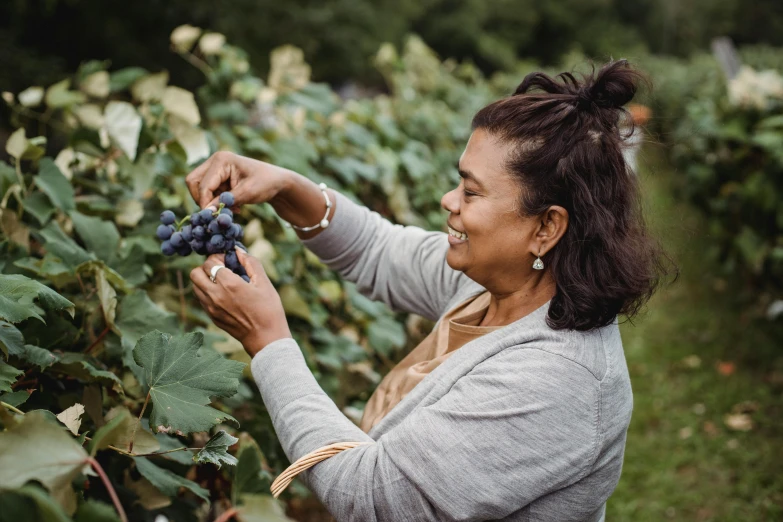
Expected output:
(106, 482)
(182, 222)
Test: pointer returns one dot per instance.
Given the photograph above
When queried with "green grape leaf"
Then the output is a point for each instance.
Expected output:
(166, 481)
(249, 477)
(78, 366)
(8, 376)
(39, 206)
(61, 245)
(52, 182)
(182, 379)
(16, 398)
(118, 432)
(94, 511)
(38, 449)
(11, 339)
(31, 503)
(17, 296)
(215, 450)
(137, 315)
(99, 236)
(261, 508)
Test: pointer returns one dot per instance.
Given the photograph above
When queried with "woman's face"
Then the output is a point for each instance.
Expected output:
(500, 246)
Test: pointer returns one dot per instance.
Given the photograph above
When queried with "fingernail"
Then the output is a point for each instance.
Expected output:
(212, 208)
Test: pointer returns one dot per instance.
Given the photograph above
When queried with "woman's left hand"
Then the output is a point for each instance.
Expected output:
(251, 312)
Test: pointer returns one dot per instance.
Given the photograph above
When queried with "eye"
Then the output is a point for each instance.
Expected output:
(468, 194)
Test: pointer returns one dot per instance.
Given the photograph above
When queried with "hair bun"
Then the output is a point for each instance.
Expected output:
(614, 85)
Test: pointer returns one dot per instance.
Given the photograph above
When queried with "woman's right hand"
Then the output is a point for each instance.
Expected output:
(249, 180)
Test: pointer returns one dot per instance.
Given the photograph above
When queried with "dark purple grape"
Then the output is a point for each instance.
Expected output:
(187, 233)
(232, 261)
(240, 232)
(227, 198)
(213, 228)
(177, 240)
(184, 250)
(237, 244)
(227, 211)
(211, 249)
(240, 271)
(198, 246)
(218, 241)
(246, 278)
(224, 220)
(195, 219)
(206, 216)
(230, 244)
(166, 249)
(167, 217)
(231, 232)
(199, 233)
(164, 232)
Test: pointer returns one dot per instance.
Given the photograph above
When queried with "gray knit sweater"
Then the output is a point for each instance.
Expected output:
(524, 423)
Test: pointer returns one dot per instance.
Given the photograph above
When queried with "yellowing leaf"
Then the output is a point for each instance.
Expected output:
(123, 124)
(16, 144)
(193, 139)
(182, 379)
(129, 212)
(211, 43)
(96, 84)
(261, 508)
(72, 417)
(58, 95)
(150, 87)
(294, 303)
(184, 36)
(119, 431)
(31, 97)
(182, 104)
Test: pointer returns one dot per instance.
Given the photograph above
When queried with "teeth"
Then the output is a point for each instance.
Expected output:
(458, 235)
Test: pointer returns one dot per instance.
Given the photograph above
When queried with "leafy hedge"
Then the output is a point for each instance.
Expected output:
(729, 148)
(88, 303)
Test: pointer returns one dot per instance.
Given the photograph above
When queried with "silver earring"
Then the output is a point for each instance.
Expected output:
(538, 264)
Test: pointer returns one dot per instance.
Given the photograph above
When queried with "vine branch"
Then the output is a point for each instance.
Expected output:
(106, 482)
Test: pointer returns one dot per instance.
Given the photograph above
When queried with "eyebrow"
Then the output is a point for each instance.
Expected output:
(464, 174)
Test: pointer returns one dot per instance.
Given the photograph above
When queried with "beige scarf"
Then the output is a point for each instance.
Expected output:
(456, 328)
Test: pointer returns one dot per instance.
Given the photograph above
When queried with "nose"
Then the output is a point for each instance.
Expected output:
(450, 202)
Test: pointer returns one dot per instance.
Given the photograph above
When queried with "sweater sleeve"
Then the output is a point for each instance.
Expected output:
(403, 266)
(520, 425)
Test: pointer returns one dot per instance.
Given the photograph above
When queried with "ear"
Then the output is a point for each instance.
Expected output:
(554, 224)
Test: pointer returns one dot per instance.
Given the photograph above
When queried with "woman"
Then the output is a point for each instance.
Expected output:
(516, 406)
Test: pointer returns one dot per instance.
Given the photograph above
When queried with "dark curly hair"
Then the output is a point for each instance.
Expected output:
(568, 152)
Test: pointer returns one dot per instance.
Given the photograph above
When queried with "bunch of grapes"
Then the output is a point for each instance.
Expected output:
(204, 232)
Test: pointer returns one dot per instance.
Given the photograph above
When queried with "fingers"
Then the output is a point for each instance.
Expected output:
(213, 260)
(253, 267)
(193, 180)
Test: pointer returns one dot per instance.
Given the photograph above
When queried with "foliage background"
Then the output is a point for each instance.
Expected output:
(103, 150)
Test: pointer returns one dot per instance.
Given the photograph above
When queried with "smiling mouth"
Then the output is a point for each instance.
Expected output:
(457, 234)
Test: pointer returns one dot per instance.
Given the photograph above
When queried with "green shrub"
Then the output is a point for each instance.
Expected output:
(729, 148)
(77, 249)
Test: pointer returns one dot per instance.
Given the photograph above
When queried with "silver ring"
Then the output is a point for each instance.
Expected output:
(213, 272)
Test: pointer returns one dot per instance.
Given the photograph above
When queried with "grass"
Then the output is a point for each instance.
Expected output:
(696, 356)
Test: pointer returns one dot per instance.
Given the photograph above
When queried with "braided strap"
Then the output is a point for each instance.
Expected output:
(308, 461)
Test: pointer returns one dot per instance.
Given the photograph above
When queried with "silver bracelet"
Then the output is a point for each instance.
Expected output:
(324, 222)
